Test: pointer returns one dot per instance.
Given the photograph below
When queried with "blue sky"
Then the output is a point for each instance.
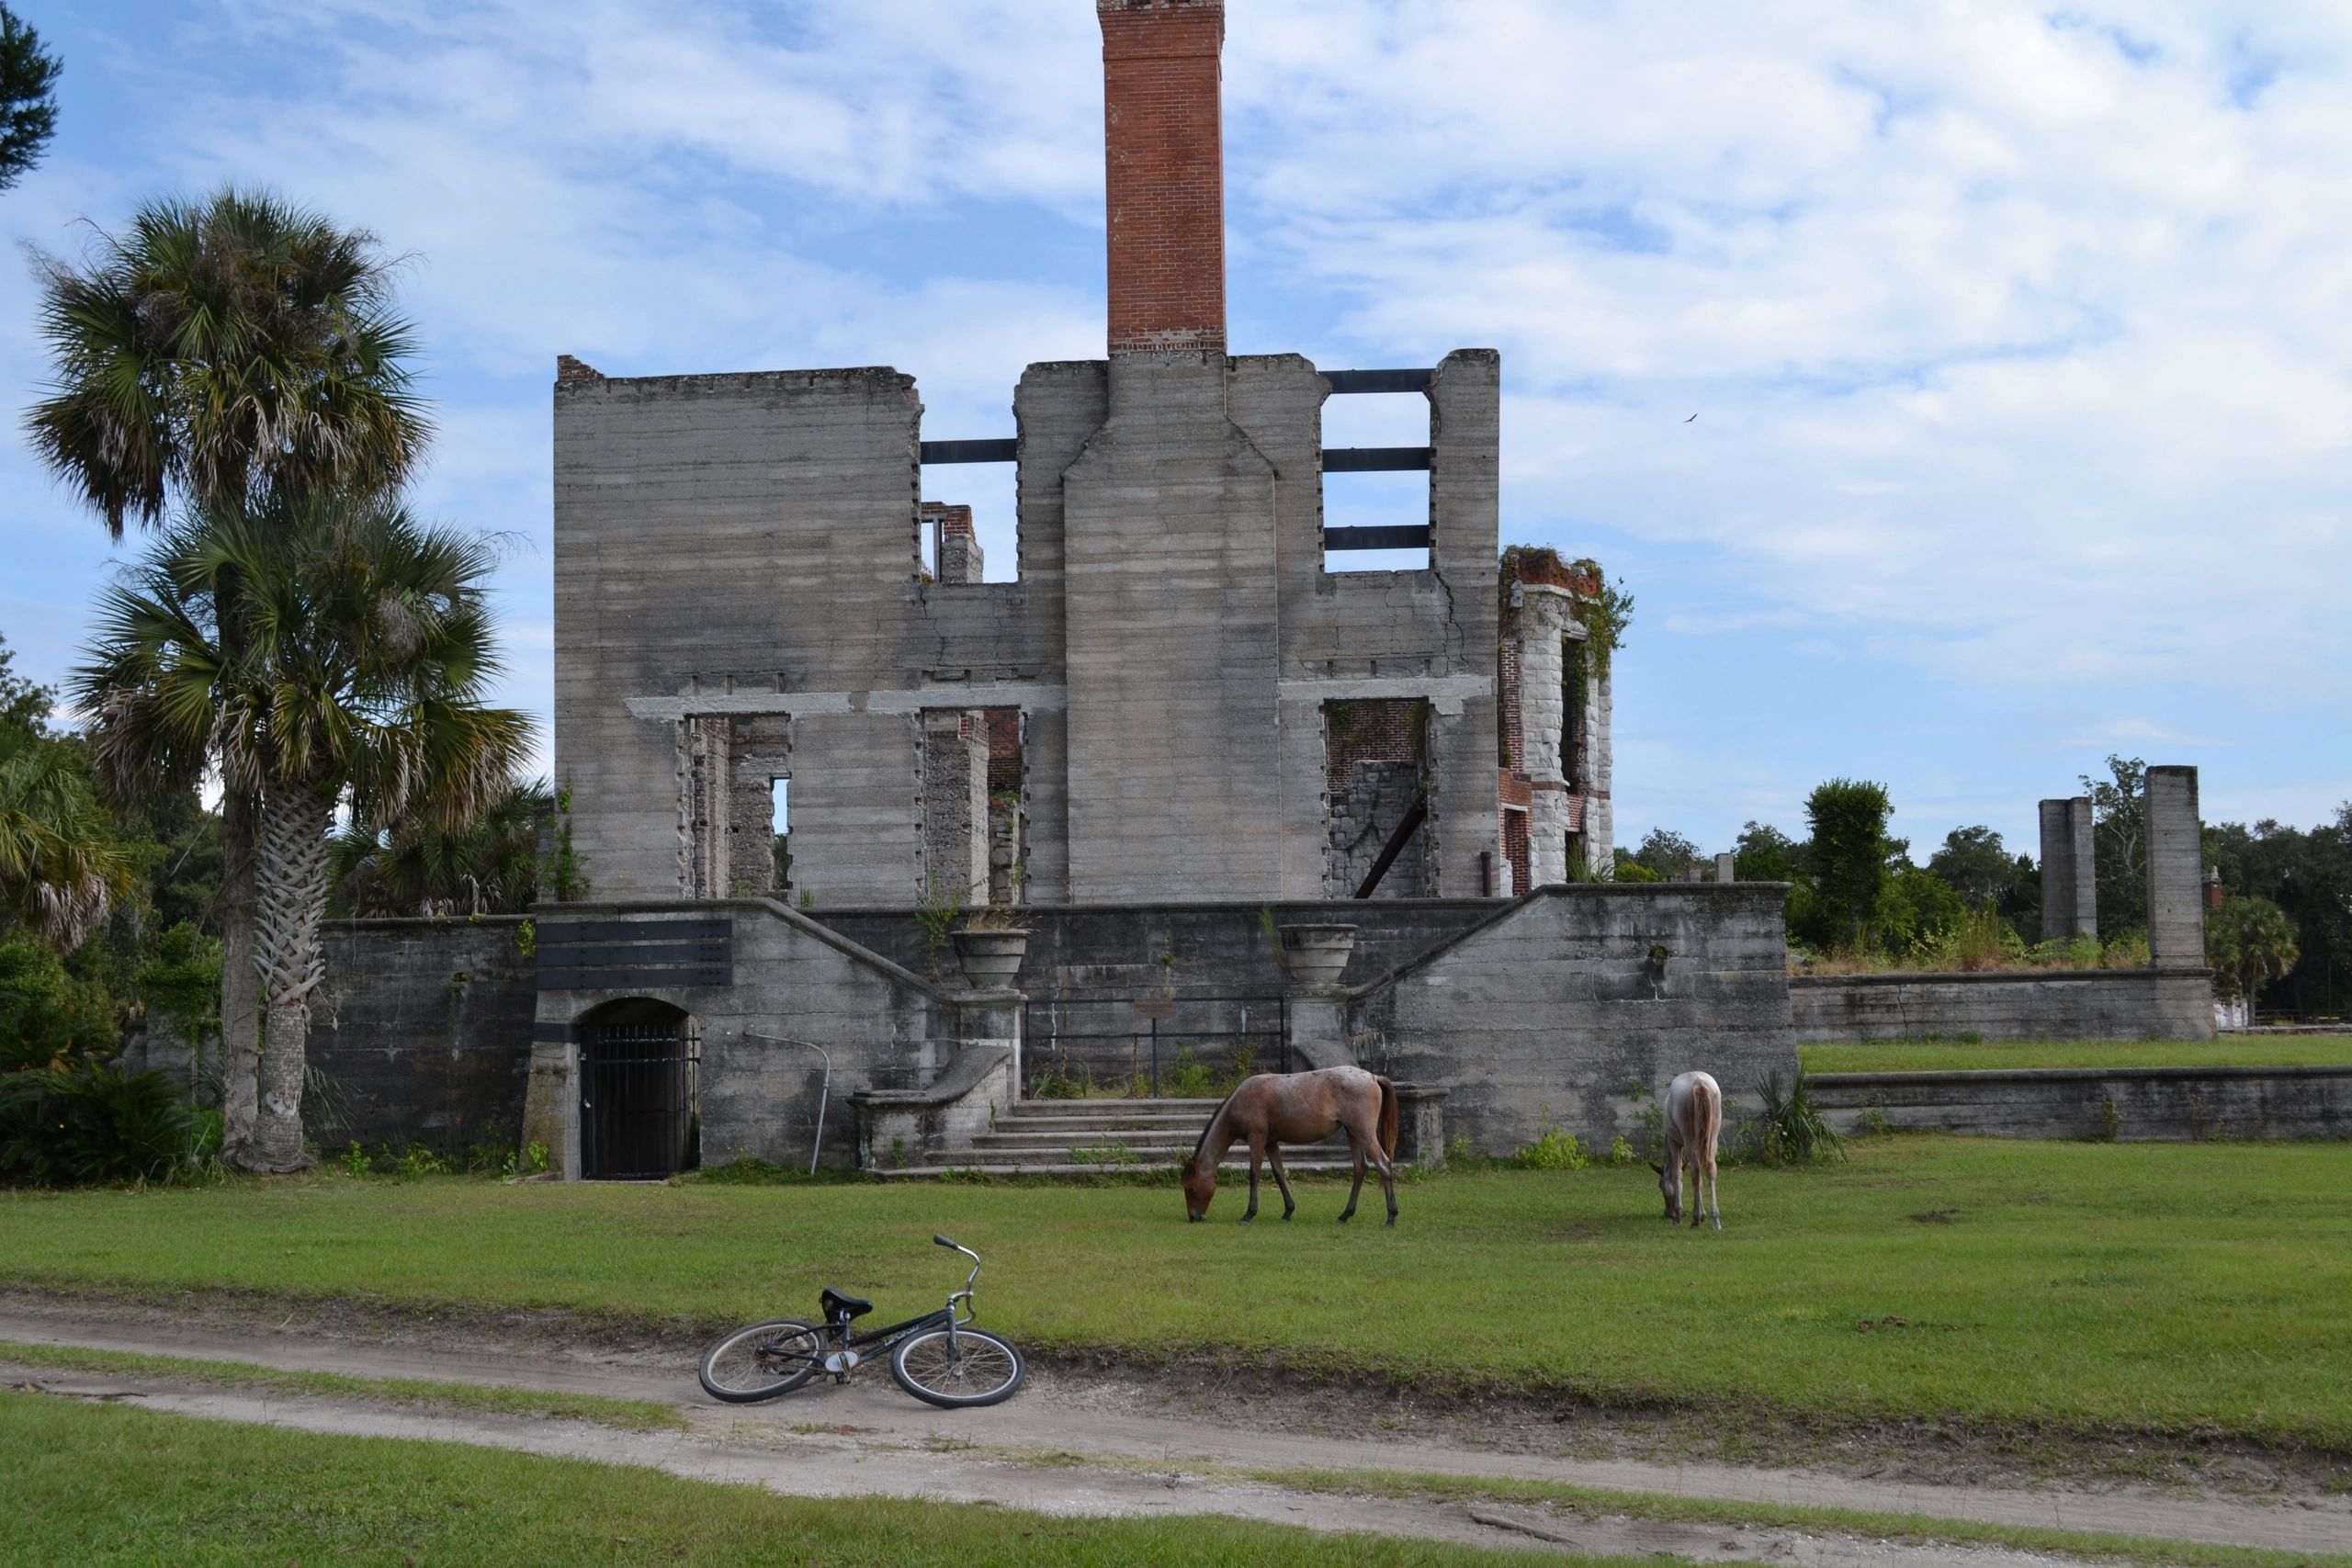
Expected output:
(2020, 336)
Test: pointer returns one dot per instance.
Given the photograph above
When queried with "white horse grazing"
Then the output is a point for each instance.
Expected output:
(1694, 1118)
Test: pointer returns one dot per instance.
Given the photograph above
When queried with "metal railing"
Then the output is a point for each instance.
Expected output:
(1157, 1031)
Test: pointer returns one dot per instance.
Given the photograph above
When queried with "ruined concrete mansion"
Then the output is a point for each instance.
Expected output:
(1182, 695)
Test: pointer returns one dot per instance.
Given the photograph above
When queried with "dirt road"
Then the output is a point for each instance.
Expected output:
(1078, 1444)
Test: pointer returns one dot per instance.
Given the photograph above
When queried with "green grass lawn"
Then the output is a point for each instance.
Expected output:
(2231, 1051)
(2177, 1288)
(187, 1492)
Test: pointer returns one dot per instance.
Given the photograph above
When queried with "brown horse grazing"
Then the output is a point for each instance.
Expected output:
(1694, 1118)
(1273, 1109)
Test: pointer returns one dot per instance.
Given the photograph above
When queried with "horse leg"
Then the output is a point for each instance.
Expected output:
(1282, 1179)
(1257, 1152)
(1714, 1192)
(1388, 1184)
(1356, 1147)
(1698, 1187)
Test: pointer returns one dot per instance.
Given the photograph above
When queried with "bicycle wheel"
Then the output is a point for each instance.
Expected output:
(762, 1361)
(980, 1368)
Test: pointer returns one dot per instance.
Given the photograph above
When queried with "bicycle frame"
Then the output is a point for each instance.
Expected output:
(836, 1336)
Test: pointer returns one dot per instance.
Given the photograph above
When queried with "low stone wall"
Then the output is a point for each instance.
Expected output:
(425, 1028)
(2035, 1004)
(2127, 1103)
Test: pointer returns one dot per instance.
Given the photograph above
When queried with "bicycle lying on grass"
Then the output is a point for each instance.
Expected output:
(937, 1356)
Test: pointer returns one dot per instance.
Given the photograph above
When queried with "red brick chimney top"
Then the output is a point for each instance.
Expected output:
(1164, 157)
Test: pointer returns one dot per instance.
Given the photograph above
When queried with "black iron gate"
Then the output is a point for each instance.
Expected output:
(637, 1098)
(1156, 1047)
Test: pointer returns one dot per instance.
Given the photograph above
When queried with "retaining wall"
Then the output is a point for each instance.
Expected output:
(1552, 1014)
(425, 1027)
(2036, 1004)
(2128, 1103)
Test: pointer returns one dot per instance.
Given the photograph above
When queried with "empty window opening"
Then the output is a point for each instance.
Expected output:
(1008, 820)
(1575, 682)
(1376, 518)
(974, 509)
(780, 824)
(1375, 762)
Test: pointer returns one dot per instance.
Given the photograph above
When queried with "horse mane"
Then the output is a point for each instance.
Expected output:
(1216, 1116)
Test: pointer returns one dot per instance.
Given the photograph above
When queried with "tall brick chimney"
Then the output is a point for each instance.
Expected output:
(1164, 145)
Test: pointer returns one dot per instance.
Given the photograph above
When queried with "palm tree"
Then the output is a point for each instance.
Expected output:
(2249, 940)
(219, 353)
(61, 865)
(345, 671)
(490, 866)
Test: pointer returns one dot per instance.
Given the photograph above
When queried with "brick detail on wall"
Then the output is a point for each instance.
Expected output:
(1164, 158)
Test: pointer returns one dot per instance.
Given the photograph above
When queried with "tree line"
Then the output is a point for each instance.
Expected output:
(2283, 935)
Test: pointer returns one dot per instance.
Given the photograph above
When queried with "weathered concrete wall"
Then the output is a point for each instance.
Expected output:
(1172, 626)
(2035, 1004)
(1551, 1012)
(770, 972)
(2127, 1103)
(425, 1027)
(1367, 811)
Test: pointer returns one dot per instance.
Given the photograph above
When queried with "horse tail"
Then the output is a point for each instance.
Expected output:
(1387, 1117)
(1709, 1117)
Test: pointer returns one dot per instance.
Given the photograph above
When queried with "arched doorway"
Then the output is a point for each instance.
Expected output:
(638, 1061)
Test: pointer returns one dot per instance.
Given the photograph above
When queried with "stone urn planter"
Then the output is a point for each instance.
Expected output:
(989, 959)
(1315, 956)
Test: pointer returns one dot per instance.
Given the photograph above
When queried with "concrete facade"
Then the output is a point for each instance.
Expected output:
(2069, 870)
(2029, 1004)
(752, 585)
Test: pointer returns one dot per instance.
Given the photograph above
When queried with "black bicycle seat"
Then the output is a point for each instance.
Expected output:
(839, 1308)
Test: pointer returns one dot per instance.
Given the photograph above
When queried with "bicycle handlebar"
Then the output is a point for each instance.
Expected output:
(942, 1241)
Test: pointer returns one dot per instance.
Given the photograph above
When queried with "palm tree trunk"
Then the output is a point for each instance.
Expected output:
(240, 981)
(291, 888)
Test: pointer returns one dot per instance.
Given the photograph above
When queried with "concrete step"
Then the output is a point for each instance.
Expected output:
(1191, 1124)
(1018, 1135)
(1046, 1165)
(1200, 1108)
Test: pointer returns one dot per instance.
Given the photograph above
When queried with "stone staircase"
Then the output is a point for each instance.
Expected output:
(1093, 1137)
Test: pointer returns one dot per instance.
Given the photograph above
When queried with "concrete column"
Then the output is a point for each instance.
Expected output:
(1544, 620)
(1601, 769)
(2069, 870)
(1727, 868)
(1466, 439)
(2176, 870)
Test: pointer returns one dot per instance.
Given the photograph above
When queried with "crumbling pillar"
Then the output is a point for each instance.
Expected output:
(955, 555)
(2069, 870)
(1542, 625)
(2176, 870)
(1726, 867)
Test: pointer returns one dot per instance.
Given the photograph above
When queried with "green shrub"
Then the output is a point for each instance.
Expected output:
(1792, 1130)
(1620, 1151)
(1554, 1150)
(48, 1019)
(93, 1124)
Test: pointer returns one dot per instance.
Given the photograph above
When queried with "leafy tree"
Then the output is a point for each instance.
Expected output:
(27, 99)
(1667, 854)
(347, 668)
(2309, 875)
(218, 355)
(1916, 909)
(1975, 864)
(23, 704)
(1850, 853)
(2249, 940)
(1764, 854)
(47, 1017)
(2120, 844)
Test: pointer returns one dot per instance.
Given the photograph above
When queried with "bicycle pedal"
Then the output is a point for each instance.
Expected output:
(841, 1363)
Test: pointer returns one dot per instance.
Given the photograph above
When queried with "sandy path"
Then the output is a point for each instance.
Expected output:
(872, 1438)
